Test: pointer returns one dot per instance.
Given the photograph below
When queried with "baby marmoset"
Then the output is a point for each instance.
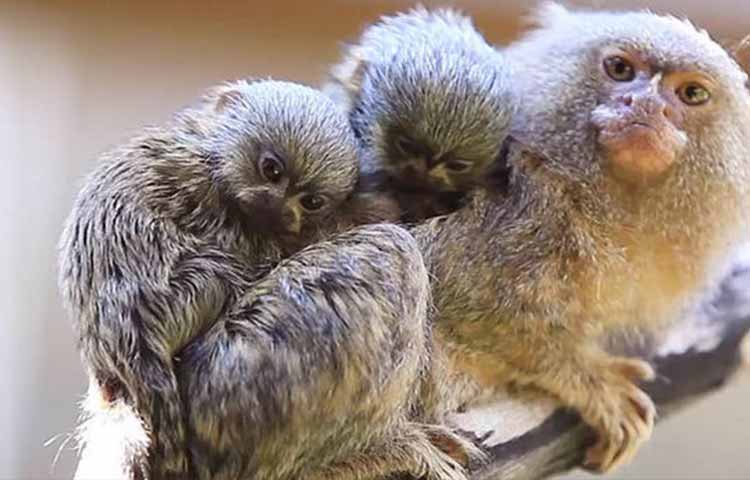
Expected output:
(430, 100)
(639, 190)
(244, 354)
(174, 225)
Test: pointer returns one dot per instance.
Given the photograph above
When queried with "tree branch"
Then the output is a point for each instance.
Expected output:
(531, 438)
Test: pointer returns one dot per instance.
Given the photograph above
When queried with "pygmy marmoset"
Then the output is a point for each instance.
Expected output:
(199, 311)
(171, 226)
(635, 191)
(430, 100)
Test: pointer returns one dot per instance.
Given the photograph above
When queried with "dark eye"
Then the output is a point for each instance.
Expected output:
(458, 165)
(693, 94)
(312, 202)
(271, 167)
(619, 69)
(407, 146)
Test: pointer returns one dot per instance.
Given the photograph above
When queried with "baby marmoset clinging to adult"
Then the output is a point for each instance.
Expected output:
(244, 354)
(173, 226)
(430, 100)
(637, 192)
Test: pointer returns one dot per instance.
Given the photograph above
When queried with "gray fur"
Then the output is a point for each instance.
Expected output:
(160, 241)
(217, 351)
(431, 77)
(317, 368)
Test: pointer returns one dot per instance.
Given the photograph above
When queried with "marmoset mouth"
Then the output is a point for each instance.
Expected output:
(638, 131)
(660, 135)
(614, 125)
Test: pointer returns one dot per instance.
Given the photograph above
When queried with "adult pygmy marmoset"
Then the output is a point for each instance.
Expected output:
(636, 191)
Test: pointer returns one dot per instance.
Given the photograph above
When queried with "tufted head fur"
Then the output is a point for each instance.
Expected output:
(280, 149)
(567, 100)
(428, 97)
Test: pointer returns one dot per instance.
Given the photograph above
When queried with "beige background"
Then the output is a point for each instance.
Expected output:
(77, 77)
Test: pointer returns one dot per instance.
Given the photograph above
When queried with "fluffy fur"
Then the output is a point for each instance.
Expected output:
(425, 91)
(573, 253)
(317, 369)
(217, 349)
(167, 232)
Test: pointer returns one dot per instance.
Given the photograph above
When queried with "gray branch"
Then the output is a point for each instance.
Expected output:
(531, 438)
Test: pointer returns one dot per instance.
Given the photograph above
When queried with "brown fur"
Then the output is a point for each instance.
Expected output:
(526, 286)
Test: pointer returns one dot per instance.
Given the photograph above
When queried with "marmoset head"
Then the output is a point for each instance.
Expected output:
(637, 97)
(285, 154)
(430, 100)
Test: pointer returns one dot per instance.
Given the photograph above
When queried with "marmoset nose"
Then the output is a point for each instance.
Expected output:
(291, 219)
(648, 103)
(417, 168)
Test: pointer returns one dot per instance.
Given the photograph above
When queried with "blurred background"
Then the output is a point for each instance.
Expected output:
(77, 77)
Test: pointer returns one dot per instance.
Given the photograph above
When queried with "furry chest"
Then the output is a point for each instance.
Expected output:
(647, 284)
